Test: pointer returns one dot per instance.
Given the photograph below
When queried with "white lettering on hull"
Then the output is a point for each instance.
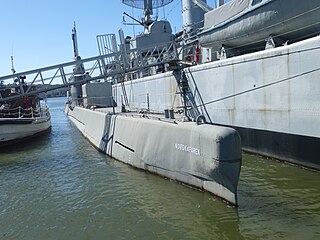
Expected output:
(186, 148)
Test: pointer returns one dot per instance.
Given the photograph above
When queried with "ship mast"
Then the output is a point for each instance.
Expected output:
(12, 66)
(219, 3)
(75, 41)
(147, 12)
(78, 71)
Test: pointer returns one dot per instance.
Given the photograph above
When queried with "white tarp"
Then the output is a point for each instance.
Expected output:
(224, 12)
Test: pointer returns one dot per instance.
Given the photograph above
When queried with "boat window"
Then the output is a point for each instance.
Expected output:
(254, 2)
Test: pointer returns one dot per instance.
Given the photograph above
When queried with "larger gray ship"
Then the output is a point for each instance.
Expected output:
(249, 64)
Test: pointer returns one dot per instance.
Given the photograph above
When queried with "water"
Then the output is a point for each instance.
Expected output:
(60, 187)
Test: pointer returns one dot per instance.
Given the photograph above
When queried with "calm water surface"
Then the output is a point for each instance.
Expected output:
(60, 187)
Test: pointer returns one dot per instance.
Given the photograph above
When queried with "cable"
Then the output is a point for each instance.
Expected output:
(173, 8)
(258, 88)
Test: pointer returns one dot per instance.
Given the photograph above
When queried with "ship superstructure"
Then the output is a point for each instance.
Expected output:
(250, 65)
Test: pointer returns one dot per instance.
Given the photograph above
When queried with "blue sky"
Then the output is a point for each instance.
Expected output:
(38, 32)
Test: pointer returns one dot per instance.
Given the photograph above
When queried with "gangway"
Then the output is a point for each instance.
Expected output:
(107, 67)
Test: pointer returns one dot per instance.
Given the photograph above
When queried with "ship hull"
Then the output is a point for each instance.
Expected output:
(271, 97)
(296, 149)
(203, 156)
(13, 130)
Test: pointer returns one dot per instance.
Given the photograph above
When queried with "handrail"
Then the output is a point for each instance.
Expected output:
(109, 66)
(20, 112)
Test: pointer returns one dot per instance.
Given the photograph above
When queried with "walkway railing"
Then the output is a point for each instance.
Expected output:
(108, 67)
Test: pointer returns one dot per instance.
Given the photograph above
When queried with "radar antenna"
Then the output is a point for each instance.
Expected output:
(147, 6)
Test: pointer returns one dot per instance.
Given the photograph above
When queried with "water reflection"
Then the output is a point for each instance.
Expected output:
(279, 199)
(190, 213)
(60, 187)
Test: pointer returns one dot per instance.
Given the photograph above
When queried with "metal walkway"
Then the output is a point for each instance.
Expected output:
(108, 67)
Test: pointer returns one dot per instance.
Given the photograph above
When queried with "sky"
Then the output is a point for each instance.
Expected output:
(37, 33)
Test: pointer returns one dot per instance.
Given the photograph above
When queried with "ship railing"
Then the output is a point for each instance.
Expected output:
(137, 62)
(43, 110)
(147, 61)
(154, 56)
(20, 112)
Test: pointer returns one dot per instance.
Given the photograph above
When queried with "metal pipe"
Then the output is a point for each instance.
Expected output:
(219, 3)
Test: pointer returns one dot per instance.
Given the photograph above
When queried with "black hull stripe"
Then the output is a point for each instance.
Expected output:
(297, 149)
